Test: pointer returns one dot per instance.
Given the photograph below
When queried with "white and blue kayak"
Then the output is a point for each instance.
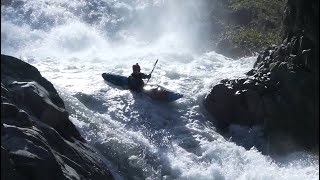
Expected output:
(154, 91)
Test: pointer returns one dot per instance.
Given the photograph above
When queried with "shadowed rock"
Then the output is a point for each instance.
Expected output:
(281, 92)
(38, 141)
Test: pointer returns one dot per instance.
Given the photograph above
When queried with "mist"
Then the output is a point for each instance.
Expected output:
(87, 28)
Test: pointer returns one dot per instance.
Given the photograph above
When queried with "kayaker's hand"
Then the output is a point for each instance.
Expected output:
(149, 76)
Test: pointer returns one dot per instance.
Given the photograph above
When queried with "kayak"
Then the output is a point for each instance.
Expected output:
(117, 80)
(154, 91)
(160, 93)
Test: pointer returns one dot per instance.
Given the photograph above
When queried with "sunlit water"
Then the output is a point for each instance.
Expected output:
(73, 42)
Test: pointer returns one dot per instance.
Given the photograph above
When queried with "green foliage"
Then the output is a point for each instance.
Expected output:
(252, 40)
(250, 25)
(263, 12)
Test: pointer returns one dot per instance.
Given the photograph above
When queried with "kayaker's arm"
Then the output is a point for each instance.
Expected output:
(144, 76)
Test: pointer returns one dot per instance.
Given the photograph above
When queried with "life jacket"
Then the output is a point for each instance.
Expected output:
(135, 82)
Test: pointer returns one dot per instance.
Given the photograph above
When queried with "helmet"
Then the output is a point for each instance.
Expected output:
(136, 68)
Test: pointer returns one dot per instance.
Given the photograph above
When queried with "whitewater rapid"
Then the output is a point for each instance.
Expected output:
(73, 42)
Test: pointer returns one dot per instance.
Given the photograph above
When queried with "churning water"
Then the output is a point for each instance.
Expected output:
(72, 42)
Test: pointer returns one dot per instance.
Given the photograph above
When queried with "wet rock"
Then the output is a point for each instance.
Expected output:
(8, 110)
(13, 69)
(221, 93)
(38, 141)
(281, 93)
(306, 57)
(225, 46)
(10, 114)
(8, 167)
(251, 72)
(36, 98)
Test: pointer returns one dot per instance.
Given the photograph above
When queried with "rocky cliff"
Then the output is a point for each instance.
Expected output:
(281, 92)
(38, 141)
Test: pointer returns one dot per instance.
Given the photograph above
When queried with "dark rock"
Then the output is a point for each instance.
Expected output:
(18, 70)
(295, 47)
(218, 94)
(274, 66)
(38, 141)
(4, 91)
(251, 72)
(2, 129)
(41, 153)
(306, 57)
(11, 115)
(37, 94)
(254, 104)
(266, 53)
(8, 110)
(305, 43)
(8, 167)
(259, 59)
(225, 46)
(281, 93)
(36, 98)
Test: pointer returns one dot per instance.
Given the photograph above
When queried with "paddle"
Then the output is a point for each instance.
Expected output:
(153, 69)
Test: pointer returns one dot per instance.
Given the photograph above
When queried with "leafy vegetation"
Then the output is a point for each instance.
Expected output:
(250, 25)
(251, 39)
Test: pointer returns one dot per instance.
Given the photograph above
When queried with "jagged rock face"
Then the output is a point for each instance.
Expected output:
(38, 141)
(281, 92)
(25, 86)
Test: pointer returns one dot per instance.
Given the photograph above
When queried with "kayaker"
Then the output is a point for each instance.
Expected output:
(136, 78)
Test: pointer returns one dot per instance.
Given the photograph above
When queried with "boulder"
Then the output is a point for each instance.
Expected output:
(281, 92)
(38, 140)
